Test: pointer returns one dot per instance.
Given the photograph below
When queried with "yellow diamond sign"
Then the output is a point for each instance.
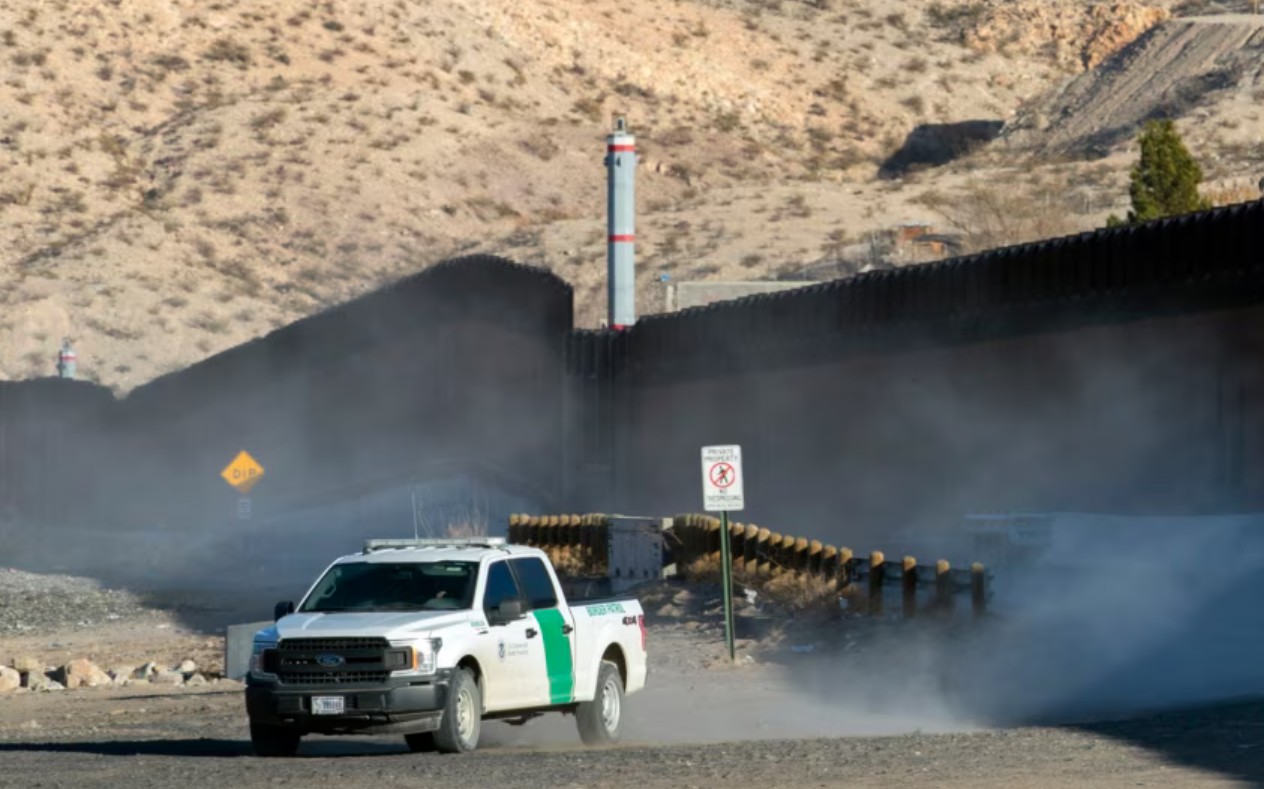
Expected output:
(243, 473)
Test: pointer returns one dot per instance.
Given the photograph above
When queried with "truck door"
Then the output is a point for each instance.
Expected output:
(557, 630)
(513, 659)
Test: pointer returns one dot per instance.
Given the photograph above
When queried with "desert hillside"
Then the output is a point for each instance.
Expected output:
(182, 176)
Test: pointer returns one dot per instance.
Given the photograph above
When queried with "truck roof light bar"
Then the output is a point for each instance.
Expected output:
(434, 542)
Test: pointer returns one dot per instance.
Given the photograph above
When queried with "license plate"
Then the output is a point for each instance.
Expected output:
(328, 705)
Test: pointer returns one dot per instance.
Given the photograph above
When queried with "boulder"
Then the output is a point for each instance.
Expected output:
(82, 673)
(10, 679)
(39, 681)
(167, 678)
(187, 668)
(122, 675)
(195, 680)
(146, 671)
(27, 664)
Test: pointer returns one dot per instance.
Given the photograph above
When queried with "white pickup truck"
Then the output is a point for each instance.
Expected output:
(428, 638)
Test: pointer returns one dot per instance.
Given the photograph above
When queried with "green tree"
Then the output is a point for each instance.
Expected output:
(1165, 180)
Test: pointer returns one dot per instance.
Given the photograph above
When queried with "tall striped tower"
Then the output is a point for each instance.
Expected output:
(621, 226)
(66, 361)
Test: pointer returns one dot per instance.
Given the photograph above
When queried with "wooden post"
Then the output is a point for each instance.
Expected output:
(844, 567)
(877, 573)
(763, 553)
(800, 561)
(943, 588)
(908, 580)
(829, 566)
(978, 589)
(515, 529)
(750, 548)
(713, 537)
(785, 556)
(815, 552)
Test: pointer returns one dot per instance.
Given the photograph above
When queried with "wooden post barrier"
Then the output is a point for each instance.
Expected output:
(908, 580)
(943, 588)
(713, 537)
(877, 573)
(978, 589)
(514, 528)
(815, 550)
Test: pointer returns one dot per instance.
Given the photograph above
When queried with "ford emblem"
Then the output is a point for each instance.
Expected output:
(330, 661)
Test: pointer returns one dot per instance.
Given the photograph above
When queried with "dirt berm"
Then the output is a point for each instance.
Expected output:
(1172, 69)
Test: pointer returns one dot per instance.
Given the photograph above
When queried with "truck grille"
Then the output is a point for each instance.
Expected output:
(335, 678)
(337, 645)
(306, 661)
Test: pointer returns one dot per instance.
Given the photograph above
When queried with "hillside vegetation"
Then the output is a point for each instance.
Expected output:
(181, 175)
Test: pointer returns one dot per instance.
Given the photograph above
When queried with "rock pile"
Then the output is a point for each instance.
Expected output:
(1077, 36)
(29, 674)
(38, 603)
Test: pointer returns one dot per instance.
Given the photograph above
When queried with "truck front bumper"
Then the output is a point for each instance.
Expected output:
(403, 705)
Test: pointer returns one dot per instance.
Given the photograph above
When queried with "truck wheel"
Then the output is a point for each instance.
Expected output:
(600, 720)
(273, 740)
(422, 742)
(462, 716)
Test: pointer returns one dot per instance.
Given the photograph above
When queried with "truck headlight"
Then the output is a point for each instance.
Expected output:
(257, 656)
(416, 657)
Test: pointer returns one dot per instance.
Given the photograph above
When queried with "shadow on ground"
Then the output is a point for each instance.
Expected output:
(203, 748)
(935, 144)
(1227, 739)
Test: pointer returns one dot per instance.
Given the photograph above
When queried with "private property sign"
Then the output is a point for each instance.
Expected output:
(722, 479)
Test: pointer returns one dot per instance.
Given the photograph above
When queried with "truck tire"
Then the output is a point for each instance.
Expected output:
(462, 716)
(422, 742)
(273, 740)
(601, 719)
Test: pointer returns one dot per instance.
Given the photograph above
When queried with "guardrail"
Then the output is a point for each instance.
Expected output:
(577, 544)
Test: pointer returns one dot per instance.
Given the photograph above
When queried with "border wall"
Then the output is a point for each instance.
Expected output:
(1115, 371)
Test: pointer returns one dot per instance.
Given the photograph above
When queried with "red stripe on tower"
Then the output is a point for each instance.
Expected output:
(620, 148)
(621, 239)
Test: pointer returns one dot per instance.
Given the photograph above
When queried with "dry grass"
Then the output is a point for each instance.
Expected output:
(573, 561)
(798, 592)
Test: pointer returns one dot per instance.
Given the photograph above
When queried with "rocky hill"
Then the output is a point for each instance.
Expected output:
(181, 176)
(1207, 70)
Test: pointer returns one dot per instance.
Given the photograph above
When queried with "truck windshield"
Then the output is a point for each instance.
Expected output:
(404, 586)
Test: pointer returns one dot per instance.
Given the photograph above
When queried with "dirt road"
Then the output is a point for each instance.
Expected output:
(838, 713)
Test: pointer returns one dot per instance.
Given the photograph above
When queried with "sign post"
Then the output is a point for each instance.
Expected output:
(722, 492)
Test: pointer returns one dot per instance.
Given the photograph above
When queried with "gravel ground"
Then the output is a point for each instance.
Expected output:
(152, 739)
(33, 604)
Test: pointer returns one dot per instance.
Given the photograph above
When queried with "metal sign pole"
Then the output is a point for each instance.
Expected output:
(726, 582)
(722, 492)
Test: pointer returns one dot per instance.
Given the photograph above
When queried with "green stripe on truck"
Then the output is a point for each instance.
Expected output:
(557, 656)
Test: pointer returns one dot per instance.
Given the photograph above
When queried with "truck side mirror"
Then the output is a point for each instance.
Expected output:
(283, 608)
(508, 611)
